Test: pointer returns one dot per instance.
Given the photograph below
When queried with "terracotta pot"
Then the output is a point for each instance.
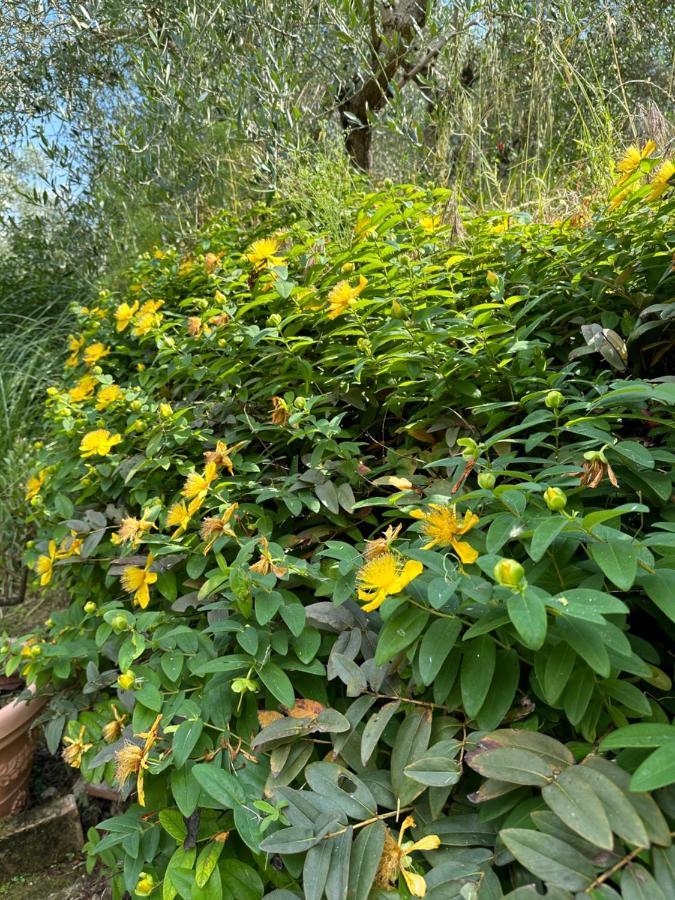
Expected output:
(16, 752)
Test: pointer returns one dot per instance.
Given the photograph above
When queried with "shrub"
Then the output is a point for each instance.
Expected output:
(371, 555)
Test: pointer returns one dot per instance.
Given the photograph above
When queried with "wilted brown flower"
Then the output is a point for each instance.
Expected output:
(280, 412)
(382, 544)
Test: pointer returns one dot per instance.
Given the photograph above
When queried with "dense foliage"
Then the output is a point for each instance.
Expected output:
(368, 534)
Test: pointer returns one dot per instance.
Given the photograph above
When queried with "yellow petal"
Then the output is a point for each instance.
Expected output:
(408, 822)
(416, 884)
(430, 842)
(465, 551)
(470, 519)
(410, 571)
(132, 579)
(142, 596)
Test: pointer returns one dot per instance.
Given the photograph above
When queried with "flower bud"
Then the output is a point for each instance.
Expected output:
(145, 884)
(165, 410)
(486, 480)
(119, 624)
(510, 573)
(136, 405)
(555, 498)
(470, 448)
(387, 183)
(492, 279)
(38, 445)
(347, 268)
(300, 403)
(554, 400)
(242, 685)
(397, 311)
(90, 607)
(126, 680)
(275, 320)
(35, 651)
(364, 345)
(202, 304)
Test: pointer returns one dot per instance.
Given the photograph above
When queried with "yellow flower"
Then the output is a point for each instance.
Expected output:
(124, 314)
(148, 317)
(266, 562)
(661, 180)
(442, 525)
(343, 296)
(109, 393)
(112, 730)
(75, 345)
(430, 223)
(382, 544)
(221, 455)
(383, 576)
(73, 754)
(45, 564)
(132, 529)
(145, 885)
(132, 759)
(396, 859)
(83, 389)
(180, 514)
(197, 485)
(71, 545)
(633, 157)
(126, 680)
(216, 526)
(98, 443)
(137, 581)
(95, 352)
(263, 253)
(34, 484)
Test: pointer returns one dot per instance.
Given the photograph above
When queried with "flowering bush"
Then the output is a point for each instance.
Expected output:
(370, 552)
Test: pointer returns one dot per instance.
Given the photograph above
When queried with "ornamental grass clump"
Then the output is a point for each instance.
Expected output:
(369, 545)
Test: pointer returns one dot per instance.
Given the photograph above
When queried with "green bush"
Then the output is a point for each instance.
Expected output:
(367, 540)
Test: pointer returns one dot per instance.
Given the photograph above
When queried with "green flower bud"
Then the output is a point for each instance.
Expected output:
(470, 450)
(275, 320)
(554, 400)
(119, 624)
(510, 573)
(90, 607)
(486, 480)
(555, 499)
(242, 685)
(300, 403)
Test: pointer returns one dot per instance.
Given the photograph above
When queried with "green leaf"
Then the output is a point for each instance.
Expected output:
(478, 666)
(617, 560)
(559, 664)
(185, 790)
(584, 640)
(365, 859)
(590, 520)
(295, 839)
(207, 861)
(578, 693)
(277, 683)
(549, 858)
(572, 800)
(528, 615)
(635, 453)
(173, 823)
(240, 881)
(623, 819)
(344, 789)
(405, 626)
(502, 690)
(641, 734)
(438, 641)
(185, 737)
(328, 495)
(638, 884)
(544, 534)
(660, 588)
(628, 695)
(149, 696)
(412, 739)
(222, 787)
(374, 728)
(338, 876)
(658, 770)
(434, 770)
(513, 766)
